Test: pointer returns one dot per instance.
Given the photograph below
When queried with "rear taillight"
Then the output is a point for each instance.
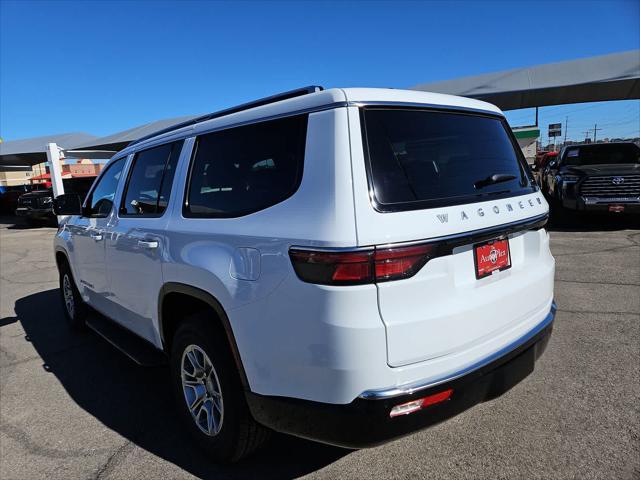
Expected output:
(377, 264)
(333, 268)
(400, 262)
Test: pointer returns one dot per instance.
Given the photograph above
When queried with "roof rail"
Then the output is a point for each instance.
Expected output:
(298, 92)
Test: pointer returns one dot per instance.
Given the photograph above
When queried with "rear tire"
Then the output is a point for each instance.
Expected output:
(75, 309)
(204, 375)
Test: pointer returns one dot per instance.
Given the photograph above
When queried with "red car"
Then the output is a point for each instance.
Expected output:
(541, 161)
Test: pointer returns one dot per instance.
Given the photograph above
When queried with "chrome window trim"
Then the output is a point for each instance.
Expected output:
(418, 386)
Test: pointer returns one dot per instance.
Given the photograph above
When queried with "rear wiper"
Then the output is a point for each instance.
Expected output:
(493, 179)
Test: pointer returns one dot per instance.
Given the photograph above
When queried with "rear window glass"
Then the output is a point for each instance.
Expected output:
(602, 154)
(421, 159)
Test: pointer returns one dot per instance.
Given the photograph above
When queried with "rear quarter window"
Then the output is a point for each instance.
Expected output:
(424, 158)
(241, 170)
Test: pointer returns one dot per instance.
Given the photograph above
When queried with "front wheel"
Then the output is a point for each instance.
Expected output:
(208, 392)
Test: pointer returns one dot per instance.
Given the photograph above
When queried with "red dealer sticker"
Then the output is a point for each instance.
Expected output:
(491, 256)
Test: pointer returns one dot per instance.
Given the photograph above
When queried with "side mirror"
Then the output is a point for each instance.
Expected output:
(553, 164)
(67, 204)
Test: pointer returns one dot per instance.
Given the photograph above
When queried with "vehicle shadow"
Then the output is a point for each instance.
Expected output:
(137, 403)
(12, 222)
(567, 221)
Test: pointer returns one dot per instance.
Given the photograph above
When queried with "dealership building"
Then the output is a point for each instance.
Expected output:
(528, 141)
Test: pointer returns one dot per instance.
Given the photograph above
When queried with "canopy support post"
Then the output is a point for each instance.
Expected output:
(53, 161)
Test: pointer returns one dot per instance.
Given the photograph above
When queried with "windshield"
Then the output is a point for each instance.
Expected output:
(422, 158)
(602, 154)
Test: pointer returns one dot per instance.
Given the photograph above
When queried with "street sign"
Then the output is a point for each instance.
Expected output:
(555, 129)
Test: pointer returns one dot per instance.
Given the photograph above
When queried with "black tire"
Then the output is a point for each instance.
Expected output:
(239, 433)
(77, 315)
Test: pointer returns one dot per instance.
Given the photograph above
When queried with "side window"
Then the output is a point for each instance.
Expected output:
(101, 198)
(242, 170)
(149, 184)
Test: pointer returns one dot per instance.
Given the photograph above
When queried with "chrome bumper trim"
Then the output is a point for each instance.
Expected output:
(417, 386)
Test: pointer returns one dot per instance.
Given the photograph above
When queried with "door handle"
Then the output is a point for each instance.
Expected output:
(148, 244)
(96, 237)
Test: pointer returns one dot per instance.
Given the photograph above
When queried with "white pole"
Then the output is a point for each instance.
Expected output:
(53, 159)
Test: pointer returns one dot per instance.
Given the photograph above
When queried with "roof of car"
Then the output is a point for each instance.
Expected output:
(392, 95)
(318, 100)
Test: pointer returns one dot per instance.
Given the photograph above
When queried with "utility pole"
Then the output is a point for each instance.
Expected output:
(595, 131)
(566, 122)
(586, 135)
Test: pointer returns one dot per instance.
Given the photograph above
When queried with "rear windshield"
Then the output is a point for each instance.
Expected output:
(422, 158)
(602, 154)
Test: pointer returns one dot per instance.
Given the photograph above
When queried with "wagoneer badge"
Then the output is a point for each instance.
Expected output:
(496, 209)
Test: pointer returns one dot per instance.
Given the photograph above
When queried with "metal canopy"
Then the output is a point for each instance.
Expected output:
(31, 151)
(105, 147)
(607, 77)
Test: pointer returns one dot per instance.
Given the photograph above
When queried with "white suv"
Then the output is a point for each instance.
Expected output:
(345, 265)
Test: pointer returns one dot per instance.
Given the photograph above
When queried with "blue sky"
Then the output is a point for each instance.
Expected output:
(101, 67)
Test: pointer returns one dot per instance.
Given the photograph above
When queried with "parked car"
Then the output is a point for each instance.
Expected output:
(342, 265)
(541, 161)
(35, 205)
(9, 197)
(602, 177)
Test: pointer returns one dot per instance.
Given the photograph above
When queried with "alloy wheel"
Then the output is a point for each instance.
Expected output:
(67, 292)
(202, 392)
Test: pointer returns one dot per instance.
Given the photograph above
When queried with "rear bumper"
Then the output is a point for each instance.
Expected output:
(366, 422)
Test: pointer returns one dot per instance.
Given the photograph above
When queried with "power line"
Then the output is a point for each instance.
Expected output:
(621, 121)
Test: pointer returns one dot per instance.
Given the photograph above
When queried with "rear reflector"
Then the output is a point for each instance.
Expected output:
(421, 403)
(360, 267)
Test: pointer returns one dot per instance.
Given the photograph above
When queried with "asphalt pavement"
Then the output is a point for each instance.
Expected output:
(73, 407)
